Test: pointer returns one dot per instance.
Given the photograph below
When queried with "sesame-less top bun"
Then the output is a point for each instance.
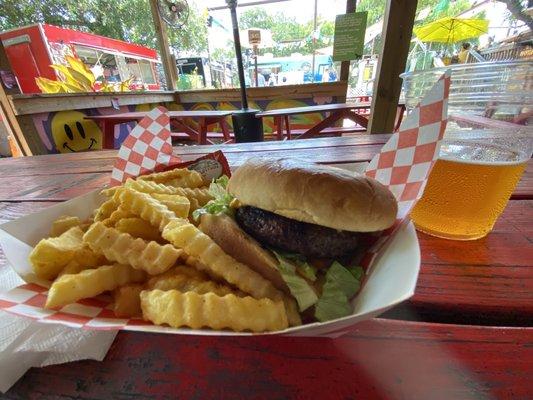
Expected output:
(314, 193)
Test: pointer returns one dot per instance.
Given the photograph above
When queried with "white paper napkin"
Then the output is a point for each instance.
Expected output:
(25, 343)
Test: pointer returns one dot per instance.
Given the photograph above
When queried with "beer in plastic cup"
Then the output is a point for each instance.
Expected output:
(469, 186)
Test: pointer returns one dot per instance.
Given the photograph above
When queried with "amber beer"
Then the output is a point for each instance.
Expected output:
(467, 190)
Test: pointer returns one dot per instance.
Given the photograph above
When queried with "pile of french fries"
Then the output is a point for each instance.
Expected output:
(143, 246)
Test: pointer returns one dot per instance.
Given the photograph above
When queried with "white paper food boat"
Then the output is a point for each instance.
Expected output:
(391, 280)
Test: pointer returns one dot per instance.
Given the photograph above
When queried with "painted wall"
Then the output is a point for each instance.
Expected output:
(68, 131)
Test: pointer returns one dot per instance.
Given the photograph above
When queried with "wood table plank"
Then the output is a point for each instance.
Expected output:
(486, 281)
(478, 121)
(10, 211)
(51, 186)
(314, 143)
(315, 109)
(138, 115)
(98, 161)
(379, 359)
(36, 173)
(524, 189)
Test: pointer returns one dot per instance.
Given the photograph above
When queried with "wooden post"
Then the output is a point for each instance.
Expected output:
(7, 114)
(162, 38)
(345, 65)
(397, 31)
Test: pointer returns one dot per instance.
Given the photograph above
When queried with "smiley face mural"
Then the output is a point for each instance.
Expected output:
(72, 133)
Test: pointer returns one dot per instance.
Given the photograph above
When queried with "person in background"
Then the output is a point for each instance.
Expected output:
(325, 75)
(260, 80)
(306, 68)
(332, 75)
(463, 54)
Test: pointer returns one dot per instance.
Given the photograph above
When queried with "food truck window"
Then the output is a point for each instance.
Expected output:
(109, 65)
(102, 64)
(133, 70)
(147, 72)
(89, 57)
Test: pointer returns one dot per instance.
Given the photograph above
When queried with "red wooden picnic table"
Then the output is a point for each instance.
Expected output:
(466, 333)
(204, 117)
(337, 112)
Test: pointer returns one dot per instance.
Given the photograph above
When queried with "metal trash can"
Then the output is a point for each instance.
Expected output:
(247, 127)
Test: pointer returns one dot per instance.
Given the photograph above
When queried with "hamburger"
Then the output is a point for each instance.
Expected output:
(300, 225)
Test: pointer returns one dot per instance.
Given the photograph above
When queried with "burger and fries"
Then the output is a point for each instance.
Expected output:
(275, 245)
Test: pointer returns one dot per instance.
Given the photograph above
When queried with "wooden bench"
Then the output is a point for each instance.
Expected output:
(330, 131)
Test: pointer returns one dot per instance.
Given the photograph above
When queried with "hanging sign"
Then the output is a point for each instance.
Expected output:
(349, 39)
(254, 36)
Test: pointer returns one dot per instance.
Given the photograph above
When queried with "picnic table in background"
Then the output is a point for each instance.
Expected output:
(204, 117)
(466, 332)
(337, 112)
(477, 121)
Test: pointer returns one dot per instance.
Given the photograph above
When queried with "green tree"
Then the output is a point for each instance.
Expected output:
(289, 35)
(128, 20)
(440, 8)
(292, 36)
(517, 9)
(224, 53)
(256, 17)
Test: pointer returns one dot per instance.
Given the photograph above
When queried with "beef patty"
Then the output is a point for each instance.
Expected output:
(294, 236)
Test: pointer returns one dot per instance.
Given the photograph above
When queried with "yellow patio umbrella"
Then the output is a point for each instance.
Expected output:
(451, 30)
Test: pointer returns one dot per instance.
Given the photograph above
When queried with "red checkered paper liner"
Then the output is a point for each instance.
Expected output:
(147, 148)
(29, 300)
(403, 165)
(405, 161)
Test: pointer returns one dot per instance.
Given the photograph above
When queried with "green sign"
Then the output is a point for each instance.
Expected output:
(349, 39)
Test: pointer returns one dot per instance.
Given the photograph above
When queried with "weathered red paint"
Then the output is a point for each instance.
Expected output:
(380, 360)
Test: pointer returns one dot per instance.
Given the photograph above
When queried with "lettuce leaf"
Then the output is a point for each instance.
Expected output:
(217, 188)
(291, 256)
(332, 304)
(342, 278)
(307, 271)
(299, 261)
(341, 284)
(221, 201)
(357, 272)
(301, 290)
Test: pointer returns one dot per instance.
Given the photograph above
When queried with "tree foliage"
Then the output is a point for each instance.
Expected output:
(517, 9)
(290, 35)
(131, 20)
(438, 9)
(128, 20)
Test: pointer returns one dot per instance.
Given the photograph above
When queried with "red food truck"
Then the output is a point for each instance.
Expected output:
(31, 49)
